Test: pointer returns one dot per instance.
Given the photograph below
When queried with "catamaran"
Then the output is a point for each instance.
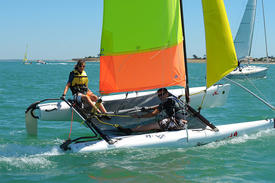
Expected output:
(243, 45)
(145, 50)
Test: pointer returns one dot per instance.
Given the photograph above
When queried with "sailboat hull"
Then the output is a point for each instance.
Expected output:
(181, 138)
(248, 71)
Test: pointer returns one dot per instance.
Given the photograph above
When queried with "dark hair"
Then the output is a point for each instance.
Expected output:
(163, 90)
(79, 63)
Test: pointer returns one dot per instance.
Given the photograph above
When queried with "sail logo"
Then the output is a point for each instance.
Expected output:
(235, 134)
(215, 93)
(158, 136)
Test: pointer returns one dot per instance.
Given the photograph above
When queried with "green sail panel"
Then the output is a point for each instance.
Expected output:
(134, 26)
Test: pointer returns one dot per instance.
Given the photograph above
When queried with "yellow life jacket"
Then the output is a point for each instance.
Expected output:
(79, 83)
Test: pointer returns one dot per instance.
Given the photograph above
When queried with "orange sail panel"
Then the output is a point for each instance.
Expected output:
(135, 72)
(141, 46)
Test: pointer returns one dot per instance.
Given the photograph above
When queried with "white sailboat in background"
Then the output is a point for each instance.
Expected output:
(41, 62)
(154, 57)
(25, 59)
(243, 44)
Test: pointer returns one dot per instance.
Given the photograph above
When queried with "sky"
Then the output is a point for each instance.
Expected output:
(66, 29)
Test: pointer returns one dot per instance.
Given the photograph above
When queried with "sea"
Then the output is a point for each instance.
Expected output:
(23, 158)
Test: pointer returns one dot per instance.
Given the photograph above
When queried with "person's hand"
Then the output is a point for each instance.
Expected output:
(143, 109)
(63, 97)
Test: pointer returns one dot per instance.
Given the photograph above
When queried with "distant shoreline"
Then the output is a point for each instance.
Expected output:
(191, 60)
(96, 59)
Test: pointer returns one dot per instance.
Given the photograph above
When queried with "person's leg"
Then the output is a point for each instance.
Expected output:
(181, 119)
(91, 103)
(77, 98)
(148, 127)
(141, 128)
(94, 98)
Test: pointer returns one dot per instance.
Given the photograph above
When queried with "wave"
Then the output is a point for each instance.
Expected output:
(241, 139)
(15, 156)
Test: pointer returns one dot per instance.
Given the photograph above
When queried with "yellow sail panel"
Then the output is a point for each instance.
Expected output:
(220, 50)
(25, 59)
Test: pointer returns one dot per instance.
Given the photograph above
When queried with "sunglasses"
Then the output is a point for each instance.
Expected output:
(161, 94)
(82, 66)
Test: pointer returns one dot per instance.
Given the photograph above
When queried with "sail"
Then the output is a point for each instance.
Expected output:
(25, 59)
(220, 51)
(141, 45)
(244, 36)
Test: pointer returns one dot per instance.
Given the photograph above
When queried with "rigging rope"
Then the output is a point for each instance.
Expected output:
(261, 93)
(105, 123)
(71, 125)
(250, 81)
(115, 115)
(199, 108)
(262, 100)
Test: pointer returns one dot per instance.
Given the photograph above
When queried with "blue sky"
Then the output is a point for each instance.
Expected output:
(66, 29)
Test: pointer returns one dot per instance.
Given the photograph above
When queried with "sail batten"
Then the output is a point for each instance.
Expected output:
(220, 50)
(141, 46)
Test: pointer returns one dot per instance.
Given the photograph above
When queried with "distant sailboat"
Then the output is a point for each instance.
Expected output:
(243, 44)
(25, 59)
(41, 62)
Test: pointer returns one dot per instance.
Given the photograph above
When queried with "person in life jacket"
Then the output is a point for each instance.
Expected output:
(78, 84)
(174, 110)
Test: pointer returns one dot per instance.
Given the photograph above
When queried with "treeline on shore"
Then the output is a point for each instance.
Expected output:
(196, 60)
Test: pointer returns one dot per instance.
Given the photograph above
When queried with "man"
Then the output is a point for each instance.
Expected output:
(174, 110)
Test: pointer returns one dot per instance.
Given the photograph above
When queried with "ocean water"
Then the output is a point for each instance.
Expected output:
(23, 158)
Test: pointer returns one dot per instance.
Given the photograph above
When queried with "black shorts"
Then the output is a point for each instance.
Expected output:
(171, 124)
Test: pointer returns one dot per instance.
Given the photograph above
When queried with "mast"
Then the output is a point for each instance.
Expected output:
(253, 27)
(266, 51)
(187, 97)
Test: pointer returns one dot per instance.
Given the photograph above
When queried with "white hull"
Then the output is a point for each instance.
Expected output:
(249, 71)
(41, 62)
(182, 138)
(215, 96)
